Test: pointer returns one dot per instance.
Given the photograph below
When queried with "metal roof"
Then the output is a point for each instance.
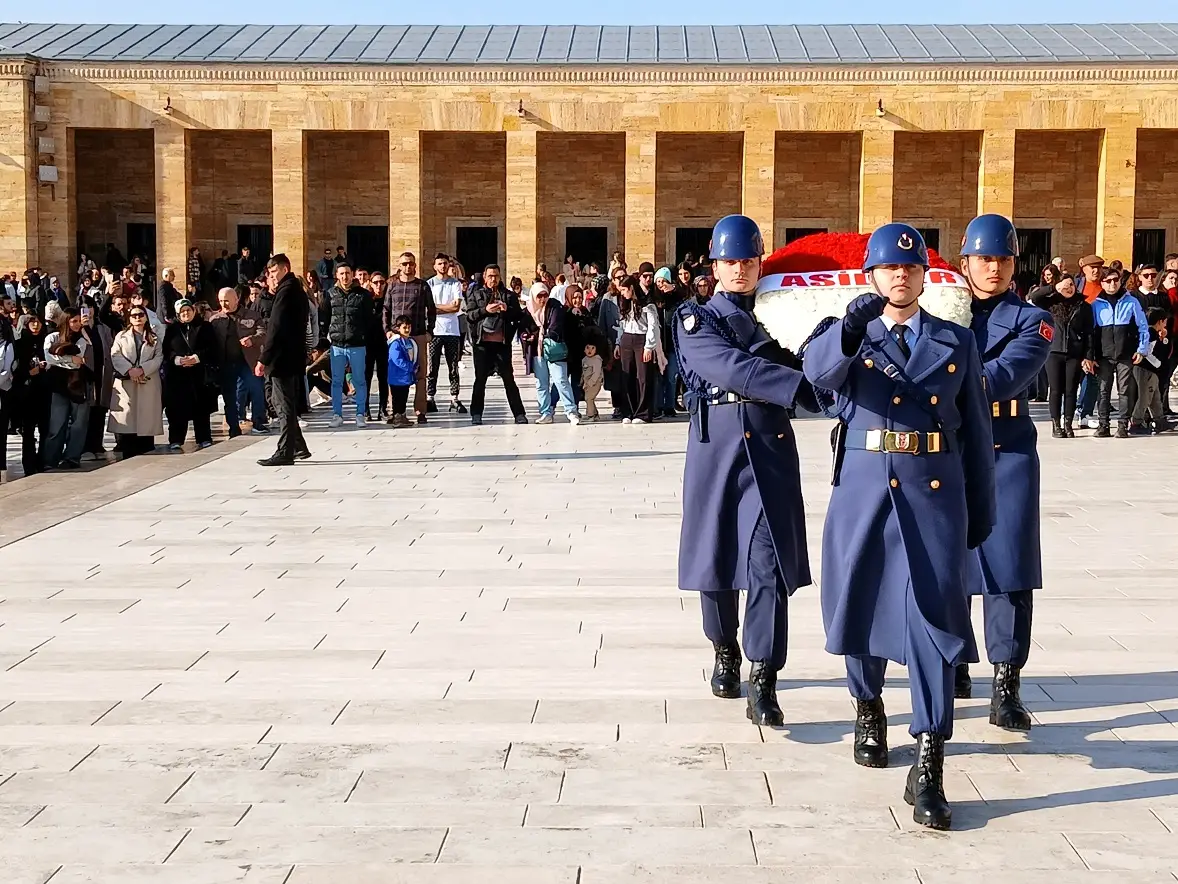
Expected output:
(594, 44)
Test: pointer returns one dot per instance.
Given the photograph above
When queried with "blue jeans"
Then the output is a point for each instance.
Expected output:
(341, 357)
(668, 384)
(67, 430)
(251, 392)
(548, 375)
(1089, 392)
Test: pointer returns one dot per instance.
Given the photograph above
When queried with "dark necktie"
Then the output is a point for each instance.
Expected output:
(900, 333)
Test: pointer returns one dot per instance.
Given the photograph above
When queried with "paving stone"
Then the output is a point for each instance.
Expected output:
(456, 684)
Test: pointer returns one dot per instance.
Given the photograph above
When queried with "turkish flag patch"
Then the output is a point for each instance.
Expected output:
(1046, 331)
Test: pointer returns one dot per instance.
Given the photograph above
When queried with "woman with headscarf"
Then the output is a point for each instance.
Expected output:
(69, 352)
(189, 346)
(545, 340)
(136, 415)
(31, 391)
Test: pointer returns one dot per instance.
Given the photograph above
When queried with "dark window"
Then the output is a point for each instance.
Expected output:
(368, 247)
(476, 247)
(1034, 253)
(586, 245)
(696, 240)
(1149, 247)
(792, 233)
(932, 237)
(141, 242)
(259, 238)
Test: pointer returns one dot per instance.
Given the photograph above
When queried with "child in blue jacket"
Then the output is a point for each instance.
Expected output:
(403, 358)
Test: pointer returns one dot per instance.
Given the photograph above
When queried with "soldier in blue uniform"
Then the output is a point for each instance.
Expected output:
(1014, 340)
(743, 523)
(913, 492)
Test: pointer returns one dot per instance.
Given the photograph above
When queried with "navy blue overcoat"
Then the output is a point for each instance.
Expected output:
(894, 549)
(748, 465)
(1014, 339)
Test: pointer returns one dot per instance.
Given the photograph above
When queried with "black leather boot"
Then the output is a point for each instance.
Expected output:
(726, 674)
(871, 733)
(925, 790)
(763, 708)
(1006, 706)
(1068, 432)
(962, 683)
(1057, 430)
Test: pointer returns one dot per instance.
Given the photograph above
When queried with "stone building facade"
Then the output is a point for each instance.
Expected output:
(524, 162)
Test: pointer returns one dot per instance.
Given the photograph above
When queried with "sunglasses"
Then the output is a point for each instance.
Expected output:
(1147, 275)
(139, 316)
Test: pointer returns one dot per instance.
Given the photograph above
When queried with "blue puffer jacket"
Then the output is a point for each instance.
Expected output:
(403, 358)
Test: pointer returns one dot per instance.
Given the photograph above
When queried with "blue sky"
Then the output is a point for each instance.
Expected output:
(620, 12)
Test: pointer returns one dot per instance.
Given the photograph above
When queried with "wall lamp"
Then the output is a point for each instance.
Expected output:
(168, 106)
(879, 109)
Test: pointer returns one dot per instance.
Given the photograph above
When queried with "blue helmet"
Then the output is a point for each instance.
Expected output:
(734, 238)
(896, 243)
(990, 235)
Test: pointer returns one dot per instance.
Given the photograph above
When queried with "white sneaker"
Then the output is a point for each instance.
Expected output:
(1092, 423)
(544, 419)
(361, 423)
(627, 420)
(638, 420)
(336, 421)
(574, 418)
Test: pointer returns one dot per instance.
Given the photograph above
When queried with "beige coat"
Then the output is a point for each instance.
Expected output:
(136, 409)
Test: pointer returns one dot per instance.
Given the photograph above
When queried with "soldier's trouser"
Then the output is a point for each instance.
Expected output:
(765, 610)
(1008, 626)
(930, 680)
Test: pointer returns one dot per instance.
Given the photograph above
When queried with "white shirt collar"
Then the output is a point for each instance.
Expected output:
(912, 323)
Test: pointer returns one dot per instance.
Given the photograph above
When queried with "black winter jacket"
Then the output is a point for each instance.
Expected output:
(1073, 323)
(349, 314)
(285, 351)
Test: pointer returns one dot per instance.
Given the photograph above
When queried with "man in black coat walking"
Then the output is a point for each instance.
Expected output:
(284, 358)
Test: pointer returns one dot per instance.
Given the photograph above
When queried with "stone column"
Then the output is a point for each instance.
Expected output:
(876, 167)
(18, 178)
(405, 199)
(521, 220)
(757, 180)
(1115, 188)
(638, 243)
(173, 221)
(289, 149)
(996, 172)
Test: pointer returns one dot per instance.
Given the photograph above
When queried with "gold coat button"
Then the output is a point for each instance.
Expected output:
(996, 447)
(895, 400)
(748, 435)
(934, 484)
(895, 483)
(934, 400)
(870, 363)
(781, 435)
(952, 368)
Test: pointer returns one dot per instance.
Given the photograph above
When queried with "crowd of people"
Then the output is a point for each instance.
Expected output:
(1111, 326)
(121, 351)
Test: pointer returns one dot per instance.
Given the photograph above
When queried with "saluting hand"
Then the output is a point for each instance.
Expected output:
(862, 310)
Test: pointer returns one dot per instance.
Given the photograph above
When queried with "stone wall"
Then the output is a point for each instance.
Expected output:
(581, 177)
(462, 177)
(1156, 198)
(1055, 177)
(697, 181)
(816, 181)
(232, 183)
(936, 183)
(115, 170)
(347, 183)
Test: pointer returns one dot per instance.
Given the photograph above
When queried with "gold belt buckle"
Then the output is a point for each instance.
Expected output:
(901, 443)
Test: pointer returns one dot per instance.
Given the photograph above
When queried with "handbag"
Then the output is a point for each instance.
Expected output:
(555, 351)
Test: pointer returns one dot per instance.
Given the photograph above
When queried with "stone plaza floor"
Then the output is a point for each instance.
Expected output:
(453, 654)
